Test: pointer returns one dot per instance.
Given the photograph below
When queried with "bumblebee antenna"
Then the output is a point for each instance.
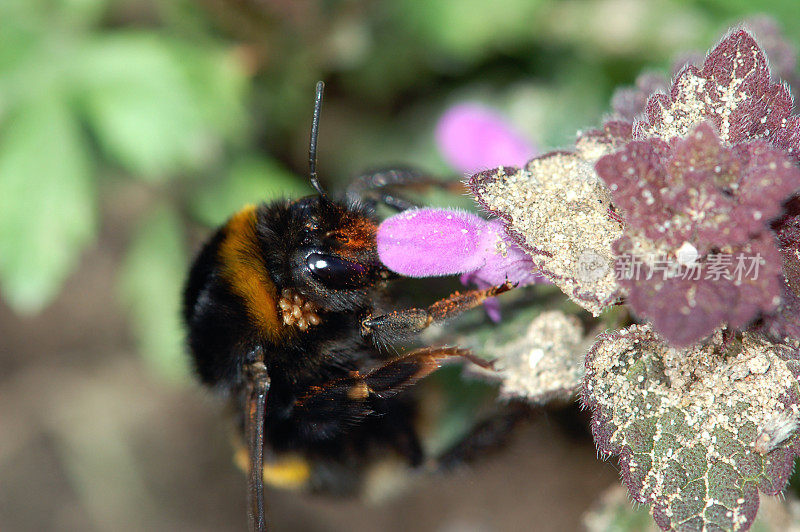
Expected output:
(312, 145)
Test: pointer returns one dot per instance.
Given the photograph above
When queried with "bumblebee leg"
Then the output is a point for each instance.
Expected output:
(487, 436)
(371, 187)
(257, 388)
(408, 322)
(396, 202)
(353, 395)
(398, 374)
(384, 178)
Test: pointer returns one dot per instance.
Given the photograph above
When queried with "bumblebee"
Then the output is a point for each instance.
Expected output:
(287, 314)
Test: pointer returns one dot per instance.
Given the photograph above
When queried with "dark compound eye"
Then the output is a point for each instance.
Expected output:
(336, 272)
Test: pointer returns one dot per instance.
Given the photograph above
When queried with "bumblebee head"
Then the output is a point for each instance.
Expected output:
(332, 254)
(323, 249)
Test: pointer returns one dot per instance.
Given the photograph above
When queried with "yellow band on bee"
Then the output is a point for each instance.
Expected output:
(242, 265)
(289, 472)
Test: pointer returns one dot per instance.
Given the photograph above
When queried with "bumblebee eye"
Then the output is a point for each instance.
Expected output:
(336, 272)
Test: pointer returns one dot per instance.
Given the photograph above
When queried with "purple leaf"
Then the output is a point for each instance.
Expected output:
(473, 138)
(785, 320)
(789, 238)
(696, 194)
(734, 91)
(784, 323)
(634, 175)
(629, 102)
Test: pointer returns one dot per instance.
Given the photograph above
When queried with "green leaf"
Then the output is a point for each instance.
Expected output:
(33, 62)
(47, 210)
(155, 107)
(83, 13)
(54, 13)
(469, 29)
(219, 81)
(251, 180)
(151, 283)
(700, 430)
(615, 511)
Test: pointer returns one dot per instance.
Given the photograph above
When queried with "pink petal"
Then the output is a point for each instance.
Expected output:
(473, 138)
(435, 242)
(492, 308)
(504, 260)
(431, 242)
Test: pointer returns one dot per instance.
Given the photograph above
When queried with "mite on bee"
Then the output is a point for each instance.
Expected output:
(286, 307)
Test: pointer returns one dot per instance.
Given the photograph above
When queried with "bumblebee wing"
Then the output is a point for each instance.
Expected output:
(257, 389)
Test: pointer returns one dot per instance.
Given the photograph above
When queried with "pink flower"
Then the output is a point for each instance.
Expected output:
(437, 242)
(472, 138)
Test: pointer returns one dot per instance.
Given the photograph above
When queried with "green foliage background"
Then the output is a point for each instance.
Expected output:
(167, 116)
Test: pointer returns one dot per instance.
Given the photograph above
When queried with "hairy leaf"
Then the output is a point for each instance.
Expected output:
(789, 239)
(698, 431)
(734, 91)
(698, 250)
(557, 209)
(545, 362)
(615, 512)
(629, 102)
(784, 323)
